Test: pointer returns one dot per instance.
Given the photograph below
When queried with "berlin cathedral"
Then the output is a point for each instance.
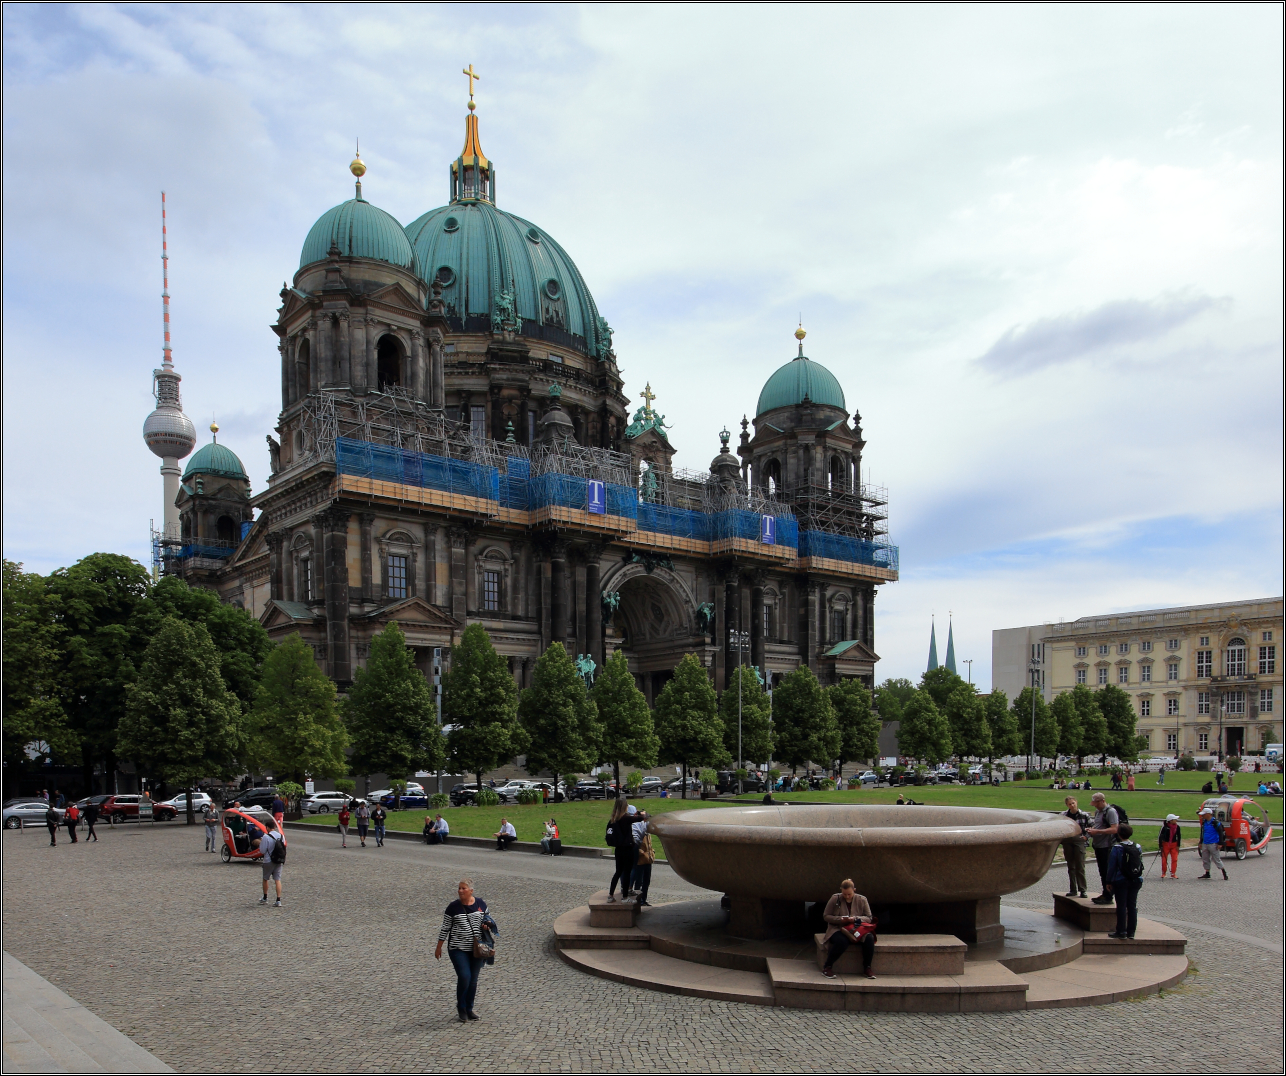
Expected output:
(455, 445)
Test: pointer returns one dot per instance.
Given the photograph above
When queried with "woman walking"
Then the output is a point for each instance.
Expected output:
(1169, 844)
(463, 936)
(343, 818)
(378, 817)
(363, 814)
(620, 835)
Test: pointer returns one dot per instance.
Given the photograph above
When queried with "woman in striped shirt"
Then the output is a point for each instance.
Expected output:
(461, 927)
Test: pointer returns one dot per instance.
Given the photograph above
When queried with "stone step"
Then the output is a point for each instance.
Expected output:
(1102, 979)
(980, 987)
(1085, 913)
(654, 971)
(1150, 939)
(573, 930)
(618, 913)
(903, 954)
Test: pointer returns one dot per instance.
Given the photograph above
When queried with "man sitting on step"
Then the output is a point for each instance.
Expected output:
(846, 912)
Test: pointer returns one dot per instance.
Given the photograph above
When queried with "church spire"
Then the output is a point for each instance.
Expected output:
(951, 646)
(473, 177)
(933, 648)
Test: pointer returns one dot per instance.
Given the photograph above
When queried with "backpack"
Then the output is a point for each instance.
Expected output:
(1121, 816)
(278, 850)
(611, 836)
(1131, 860)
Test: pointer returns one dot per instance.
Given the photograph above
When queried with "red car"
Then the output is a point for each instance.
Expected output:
(124, 808)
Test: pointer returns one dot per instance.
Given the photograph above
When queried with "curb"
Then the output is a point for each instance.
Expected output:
(580, 851)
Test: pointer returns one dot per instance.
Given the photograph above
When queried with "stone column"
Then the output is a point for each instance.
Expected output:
(459, 596)
(497, 418)
(437, 375)
(517, 591)
(442, 567)
(429, 589)
(593, 605)
(416, 378)
(524, 405)
(546, 570)
(343, 341)
(720, 632)
(368, 578)
(335, 520)
(276, 539)
(869, 626)
(287, 375)
(811, 637)
(558, 591)
(757, 619)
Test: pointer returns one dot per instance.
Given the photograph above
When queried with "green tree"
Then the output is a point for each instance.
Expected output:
(294, 728)
(1093, 725)
(33, 709)
(756, 717)
(1064, 711)
(181, 722)
(687, 719)
(924, 732)
(941, 683)
(859, 727)
(966, 714)
(891, 696)
(628, 734)
(1118, 711)
(389, 713)
(1001, 724)
(480, 702)
(559, 717)
(1046, 744)
(804, 722)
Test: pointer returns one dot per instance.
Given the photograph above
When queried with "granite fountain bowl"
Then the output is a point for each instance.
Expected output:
(904, 855)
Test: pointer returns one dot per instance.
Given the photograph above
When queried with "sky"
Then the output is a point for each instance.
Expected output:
(1040, 247)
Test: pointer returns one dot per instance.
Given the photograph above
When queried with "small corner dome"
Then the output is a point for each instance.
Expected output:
(799, 378)
(215, 458)
(360, 230)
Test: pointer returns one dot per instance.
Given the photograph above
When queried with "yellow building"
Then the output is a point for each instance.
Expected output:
(1191, 671)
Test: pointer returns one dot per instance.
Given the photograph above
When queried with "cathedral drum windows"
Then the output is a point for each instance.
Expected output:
(388, 363)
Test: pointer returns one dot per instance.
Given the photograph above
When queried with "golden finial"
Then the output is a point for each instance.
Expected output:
(214, 430)
(358, 167)
(472, 75)
(800, 333)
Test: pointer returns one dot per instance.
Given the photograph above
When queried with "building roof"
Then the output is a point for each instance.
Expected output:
(215, 458)
(800, 378)
(359, 230)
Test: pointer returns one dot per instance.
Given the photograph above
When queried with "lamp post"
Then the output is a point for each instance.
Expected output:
(739, 641)
(969, 662)
(1035, 683)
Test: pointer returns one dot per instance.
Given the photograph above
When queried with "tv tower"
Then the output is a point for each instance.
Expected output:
(168, 431)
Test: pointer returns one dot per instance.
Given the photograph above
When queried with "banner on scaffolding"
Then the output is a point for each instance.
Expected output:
(596, 498)
(768, 530)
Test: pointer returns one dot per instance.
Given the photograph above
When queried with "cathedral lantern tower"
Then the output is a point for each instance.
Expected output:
(168, 431)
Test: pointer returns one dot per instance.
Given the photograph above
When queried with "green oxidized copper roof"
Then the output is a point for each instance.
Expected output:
(214, 458)
(360, 230)
(799, 378)
(496, 266)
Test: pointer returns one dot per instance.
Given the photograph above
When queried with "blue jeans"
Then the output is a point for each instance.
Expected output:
(467, 969)
(379, 833)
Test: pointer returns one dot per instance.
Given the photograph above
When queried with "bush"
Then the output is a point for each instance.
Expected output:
(854, 783)
(1019, 775)
(828, 785)
(708, 778)
(439, 800)
(1234, 763)
(345, 785)
(487, 798)
(1187, 762)
(634, 781)
(529, 796)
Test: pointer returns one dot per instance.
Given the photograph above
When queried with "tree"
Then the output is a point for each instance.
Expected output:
(181, 722)
(859, 727)
(33, 710)
(1093, 725)
(924, 732)
(1064, 711)
(480, 702)
(1118, 711)
(966, 714)
(294, 729)
(756, 717)
(804, 720)
(628, 734)
(561, 721)
(687, 719)
(390, 714)
(940, 683)
(1046, 743)
(1001, 723)
(891, 696)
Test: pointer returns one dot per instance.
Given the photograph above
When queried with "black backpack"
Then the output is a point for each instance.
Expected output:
(278, 854)
(616, 831)
(1131, 860)
(1121, 816)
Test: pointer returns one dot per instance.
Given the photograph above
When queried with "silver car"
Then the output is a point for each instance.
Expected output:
(327, 802)
(28, 813)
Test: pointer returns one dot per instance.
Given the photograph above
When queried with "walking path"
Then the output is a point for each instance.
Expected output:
(46, 1031)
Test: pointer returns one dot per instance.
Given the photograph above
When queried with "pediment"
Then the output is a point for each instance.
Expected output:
(278, 614)
(412, 612)
(395, 295)
(255, 543)
(295, 301)
(850, 651)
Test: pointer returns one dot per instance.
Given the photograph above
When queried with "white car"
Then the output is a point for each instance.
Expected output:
(326, 802)
(180, 802)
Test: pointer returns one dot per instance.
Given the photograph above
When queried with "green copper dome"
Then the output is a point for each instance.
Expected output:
(799, 378)
(360, 230)
(215, 458)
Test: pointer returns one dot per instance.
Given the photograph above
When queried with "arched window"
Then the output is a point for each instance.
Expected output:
(303, 367)
(226, 529)
(835, 480)
(388, 362)
(1235, 658)
(772, 475)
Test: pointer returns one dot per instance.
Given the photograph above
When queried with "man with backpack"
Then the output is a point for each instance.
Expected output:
(1102, 834)
(1211, 843)
(1125, 879)
(273, 846)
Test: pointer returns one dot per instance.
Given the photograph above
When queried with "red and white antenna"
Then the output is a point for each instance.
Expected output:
(165, 287)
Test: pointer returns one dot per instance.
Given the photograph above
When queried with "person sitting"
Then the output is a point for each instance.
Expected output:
(551, 834)
(236, 824)
(844, 912)
(430, 829)
(1208, 787)
(505, 835)
(1263, 789)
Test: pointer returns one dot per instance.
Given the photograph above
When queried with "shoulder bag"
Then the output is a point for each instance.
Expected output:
(646, 854)
(481, 950)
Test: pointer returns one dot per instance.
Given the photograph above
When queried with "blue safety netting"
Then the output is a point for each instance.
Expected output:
(855, 550)
(200, 549)
(515, 483)
(741, 523)
(367, 460)
(571, 491)
(677, 522)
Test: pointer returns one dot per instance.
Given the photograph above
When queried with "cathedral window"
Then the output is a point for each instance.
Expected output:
(396, 576)
(305, 579)
(478, 419)
(226, 529)
(491, 591)
(531, 427)
(388, 362)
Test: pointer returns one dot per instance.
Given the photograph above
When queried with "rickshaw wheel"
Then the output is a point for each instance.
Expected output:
(1240, 848)
(227, 856)
(1261, 851)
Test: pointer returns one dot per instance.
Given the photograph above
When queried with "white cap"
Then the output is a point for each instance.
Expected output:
(1172, 818)
(631, 809)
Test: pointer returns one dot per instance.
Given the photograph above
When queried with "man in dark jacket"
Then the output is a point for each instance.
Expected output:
(91, 816)
(51, 820)
(1123, 885)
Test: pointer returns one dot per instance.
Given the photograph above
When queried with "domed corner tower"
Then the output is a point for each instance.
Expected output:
(519, 315)
(214, 512)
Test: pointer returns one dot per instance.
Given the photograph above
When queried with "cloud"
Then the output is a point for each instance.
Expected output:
(1050, 341)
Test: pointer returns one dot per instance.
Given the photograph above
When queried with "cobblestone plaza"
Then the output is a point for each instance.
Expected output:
(166, 943)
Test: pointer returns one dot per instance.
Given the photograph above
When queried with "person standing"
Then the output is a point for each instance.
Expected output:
(620, 835)
(1169, 844)
(379, 817)
(1125, 878)
(211, 819)
(278, 808)
(72, 819)
(844, 911)
(363, 818)
(91, 816)
(342, 818)
(52, 820)
(1211, 843)
(1129, 780)
(462, 934)
(273, 846)
(1102, 834)
(505, 835)
(1161, 776)
(1074, 850)
(643, 859)
(60, 801)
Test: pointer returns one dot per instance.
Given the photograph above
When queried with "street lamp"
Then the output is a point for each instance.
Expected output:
(969, 662)
(740, 642)
(1034, 664)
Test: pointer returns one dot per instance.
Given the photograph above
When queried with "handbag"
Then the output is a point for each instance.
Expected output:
(481, 950)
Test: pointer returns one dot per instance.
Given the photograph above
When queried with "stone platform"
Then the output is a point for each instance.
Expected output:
(1042, 962)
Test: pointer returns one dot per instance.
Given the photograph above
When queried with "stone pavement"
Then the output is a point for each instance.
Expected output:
(158, 938)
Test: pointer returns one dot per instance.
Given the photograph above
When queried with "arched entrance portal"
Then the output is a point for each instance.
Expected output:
(655, 625)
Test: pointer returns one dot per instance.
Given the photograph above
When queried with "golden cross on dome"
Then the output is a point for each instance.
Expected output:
(648, 396)
(472, 75)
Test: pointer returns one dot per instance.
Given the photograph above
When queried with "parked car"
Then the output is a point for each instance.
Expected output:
(325, 802)
(462, 794)
(98, 801)
(409, 800)
(727, 781)
(675, 787)
(870, 777)
(650, 786)
(591, 790)
(254, 797)
(26, 812)
(124, 808)
(180, 802)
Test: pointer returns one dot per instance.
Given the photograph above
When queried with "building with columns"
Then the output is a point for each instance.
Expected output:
(455, 446)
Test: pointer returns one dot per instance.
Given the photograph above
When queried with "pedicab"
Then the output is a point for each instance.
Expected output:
(242, 827)
(1246, 827)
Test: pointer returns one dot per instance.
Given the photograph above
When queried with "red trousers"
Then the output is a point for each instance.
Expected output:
(1170, 852)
